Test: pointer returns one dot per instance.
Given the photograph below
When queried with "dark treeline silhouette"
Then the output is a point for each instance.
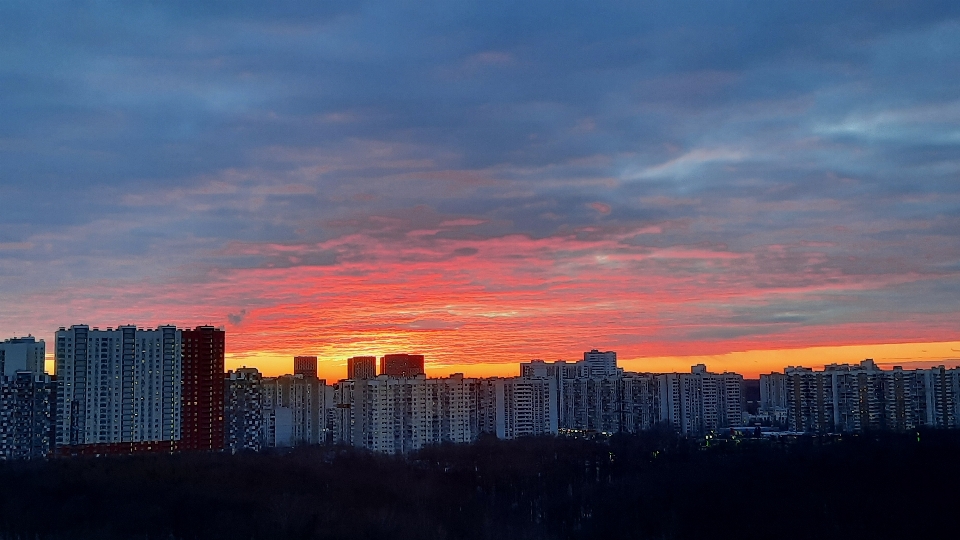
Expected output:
(649, 486)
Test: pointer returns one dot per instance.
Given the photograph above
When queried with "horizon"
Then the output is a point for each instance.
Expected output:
(753, 362)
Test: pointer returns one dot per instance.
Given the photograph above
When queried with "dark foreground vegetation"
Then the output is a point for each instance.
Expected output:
(651, 486)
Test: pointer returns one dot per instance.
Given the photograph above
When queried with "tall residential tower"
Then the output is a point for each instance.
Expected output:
(133, 389)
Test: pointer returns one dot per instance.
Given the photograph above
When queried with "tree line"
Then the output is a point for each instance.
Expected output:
(653, 485)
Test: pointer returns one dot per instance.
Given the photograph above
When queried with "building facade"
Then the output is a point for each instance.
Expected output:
(640, 405)
(27, 402)
(592, 404)
(515, 407)
(362, 367)
(396, 415)
(305, 365)
(401, 365)
(700, 402)
(292, 408)
(21, 354)
(243, 415)
(132, 389)
(844, 398)
(600, 364)
(201, 421)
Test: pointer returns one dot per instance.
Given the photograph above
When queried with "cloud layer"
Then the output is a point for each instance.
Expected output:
(484, 182)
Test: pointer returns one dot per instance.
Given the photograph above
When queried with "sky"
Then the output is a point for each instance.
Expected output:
(748, 184)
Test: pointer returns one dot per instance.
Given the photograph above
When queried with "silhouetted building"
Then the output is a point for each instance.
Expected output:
(243, 415)
(305, 365)
(401, 365)
(362, 367)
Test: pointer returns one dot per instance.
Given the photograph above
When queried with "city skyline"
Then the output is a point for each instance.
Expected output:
(745, 186)
(132, 390)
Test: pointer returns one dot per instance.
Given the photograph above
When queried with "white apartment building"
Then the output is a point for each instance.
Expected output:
(699, 402)
(639, 402)
(118, 385)
(592, 404)
(588, 390)
(292, 410)
(601, 364)
(594, 364)
(773, 398)
(396, 415)
(518, 406)
(858, 398)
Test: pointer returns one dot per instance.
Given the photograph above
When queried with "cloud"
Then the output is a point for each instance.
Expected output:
(686, 165)
(237, 318)
(484, 181)
(601, 208)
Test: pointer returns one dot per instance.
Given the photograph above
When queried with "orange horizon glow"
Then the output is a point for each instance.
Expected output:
(749, 363)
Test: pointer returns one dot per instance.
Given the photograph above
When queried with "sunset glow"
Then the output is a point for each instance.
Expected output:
(485, 189)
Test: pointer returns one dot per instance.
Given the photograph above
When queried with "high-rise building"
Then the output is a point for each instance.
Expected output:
(293, 412)
(345, 411)
(201, 425)
(26, 415)
(243, 416)
(401, 365)
(592, 404)
(305, 365)
(937, 399)
(27, 400)
(600, 364)
(555, 370)
(518, 406)
(773, 397)
(328, 411)
(639, 408)
(396, 415)
(21, 354)
(859, 398)
(700, 402)
(118, 386)
(362, 367)
(131, 389)
(588, 396)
